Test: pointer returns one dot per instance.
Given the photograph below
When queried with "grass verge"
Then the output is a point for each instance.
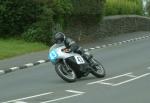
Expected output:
(13, 47)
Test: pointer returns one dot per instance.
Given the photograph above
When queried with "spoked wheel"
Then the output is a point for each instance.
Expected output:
(67, 74)
(98, 69)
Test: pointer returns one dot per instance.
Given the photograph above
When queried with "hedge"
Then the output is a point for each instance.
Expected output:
(36, 20)
(121, 7)
(62, 14)
(17, 15)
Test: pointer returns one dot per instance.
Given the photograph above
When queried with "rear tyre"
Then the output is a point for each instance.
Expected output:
(98, 69)
(67, 74)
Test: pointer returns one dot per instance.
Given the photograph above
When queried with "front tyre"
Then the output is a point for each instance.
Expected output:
(98, 69)
(67, 74)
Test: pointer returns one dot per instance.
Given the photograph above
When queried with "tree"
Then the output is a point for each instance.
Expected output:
(16, 16)
(86, 13)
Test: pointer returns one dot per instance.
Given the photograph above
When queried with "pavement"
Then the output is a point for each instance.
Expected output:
(127, 77)
(43, 55)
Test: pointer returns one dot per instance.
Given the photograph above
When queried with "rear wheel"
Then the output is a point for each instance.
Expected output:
(66, 73)
(98, 69)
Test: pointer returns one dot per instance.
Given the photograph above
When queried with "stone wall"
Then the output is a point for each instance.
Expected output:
(109, 26)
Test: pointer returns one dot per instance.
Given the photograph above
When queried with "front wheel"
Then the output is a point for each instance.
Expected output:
(66, 73)
(98, 69)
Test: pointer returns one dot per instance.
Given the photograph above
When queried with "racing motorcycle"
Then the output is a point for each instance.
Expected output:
(71, 66)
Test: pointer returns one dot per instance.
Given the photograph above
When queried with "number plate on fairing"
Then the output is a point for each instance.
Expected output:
(79, 60)
(53, 56)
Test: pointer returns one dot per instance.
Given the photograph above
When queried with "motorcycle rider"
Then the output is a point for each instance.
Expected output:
(60, 38)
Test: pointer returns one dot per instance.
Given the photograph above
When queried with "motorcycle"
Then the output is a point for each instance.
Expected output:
(71, 66)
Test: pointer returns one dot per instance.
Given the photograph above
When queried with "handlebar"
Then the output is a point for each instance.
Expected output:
(66, 50)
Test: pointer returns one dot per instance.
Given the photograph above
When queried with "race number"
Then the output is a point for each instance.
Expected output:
(79, 60)
(53, 55)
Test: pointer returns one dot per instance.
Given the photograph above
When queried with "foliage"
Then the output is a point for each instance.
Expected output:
(17, 15)
(148, 7)
(41, 31)
(119, 7)
(88, 11)
(35, 20)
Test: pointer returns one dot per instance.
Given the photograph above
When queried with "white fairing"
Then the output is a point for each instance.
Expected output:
(63, 55)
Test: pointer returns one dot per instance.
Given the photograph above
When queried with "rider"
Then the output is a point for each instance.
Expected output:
(71, 44)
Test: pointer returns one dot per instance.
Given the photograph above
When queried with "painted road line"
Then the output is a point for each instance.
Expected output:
(41, 61)
(144, 75)
(14, 68)
(106, 83)
(109, 78)
(124, 41)
(136, 38)
(148, 67)
(20, 102)
(119, 43)
(29, 64)
(104, 46)
(110, 44)
(2, 71)
(44, 61)
(143, 37)
(97, 47)
(132, 40)
(77, 93)
(92, 48)
(132, 76)
(15, 100)
(115, 44)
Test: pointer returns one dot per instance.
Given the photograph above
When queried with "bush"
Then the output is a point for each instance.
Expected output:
(88, 11)
(121, 7)
(41, 31)
(37, 19)
(148, 7)
(16, 15)
(53, 13)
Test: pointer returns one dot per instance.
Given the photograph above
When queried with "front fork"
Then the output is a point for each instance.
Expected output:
(65, 63)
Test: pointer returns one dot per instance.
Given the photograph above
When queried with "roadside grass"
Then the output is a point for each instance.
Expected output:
(13, 47)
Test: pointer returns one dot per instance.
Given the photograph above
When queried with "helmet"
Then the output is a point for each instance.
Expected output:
(59, 37)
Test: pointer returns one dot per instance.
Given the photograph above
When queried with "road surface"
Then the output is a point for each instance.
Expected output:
(127, 80)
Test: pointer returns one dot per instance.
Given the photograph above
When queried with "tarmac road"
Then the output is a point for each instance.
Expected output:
(127, 80)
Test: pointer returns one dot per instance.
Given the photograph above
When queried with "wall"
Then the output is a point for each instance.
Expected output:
(109, 26)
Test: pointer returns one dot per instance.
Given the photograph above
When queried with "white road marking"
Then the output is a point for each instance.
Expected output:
(104, 46)
(73, 91)
(15, 100)
(108, 79)
(143, 37)
(139, 38)
(131, 39)
(29, 64)
(85, 49)
(146, 36)
(148, 68)
(97, 47)
(77, 93)
(41, 61)
(128, 40)
(106, 83)
(110, 44)
(20, 102)
(144, 75)
(92, 48)
(119, 43)
(2, 71)
(14, 68)
(115, 44)
(124, 41)
(136, 38)
(133, 76)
